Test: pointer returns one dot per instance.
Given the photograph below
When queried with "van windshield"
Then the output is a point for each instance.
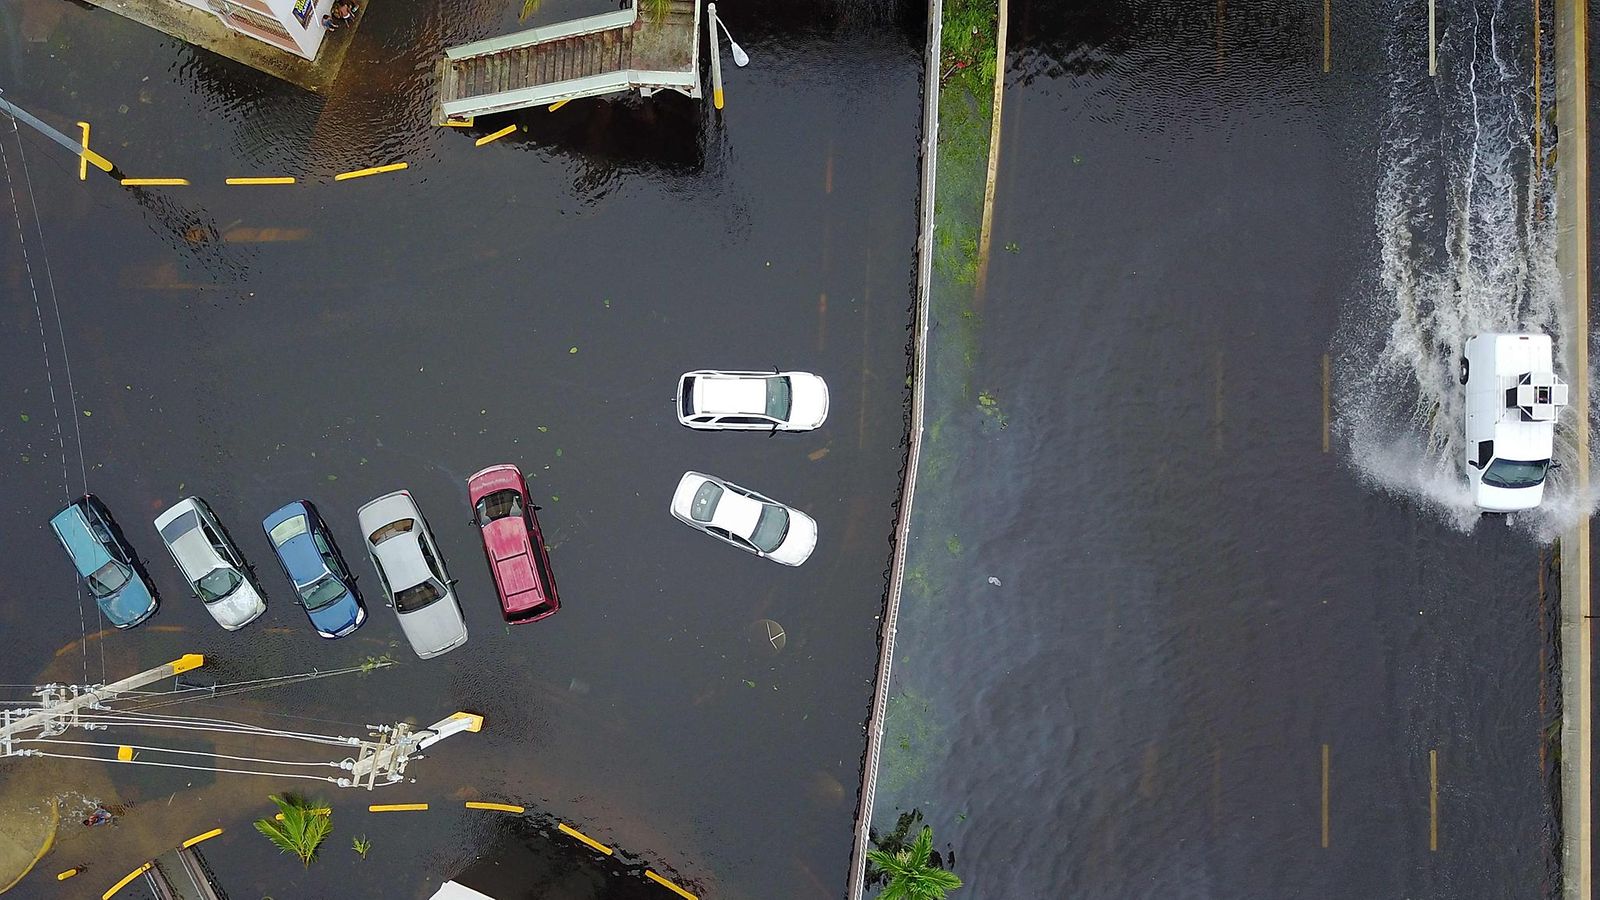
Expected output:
(1513, 473)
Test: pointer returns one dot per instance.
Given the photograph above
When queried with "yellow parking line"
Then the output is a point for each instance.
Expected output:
(1327, 35)
(202, 837)
(126, 879)
(498, 807)
(459, 123)
(83, 161)
(558, 104)
(496, 136)
(669, 885)
(375, 170)
(319, 811)
(1433, 800)
(573, 832)
(63, 876)
(96, 160)
(396, 807)
(153, 182)
(1327, 384)
(276, 179)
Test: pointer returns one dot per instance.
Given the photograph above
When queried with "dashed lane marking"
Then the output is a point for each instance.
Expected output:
(375, 170)
(573, 832)
(154, 182)
(397, 807)
(498, 807)
(669, 885)
(270, 179)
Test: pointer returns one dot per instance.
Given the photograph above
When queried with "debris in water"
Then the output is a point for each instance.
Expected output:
(994, 581)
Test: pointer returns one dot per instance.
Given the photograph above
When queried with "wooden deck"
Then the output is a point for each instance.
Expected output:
(544, 65)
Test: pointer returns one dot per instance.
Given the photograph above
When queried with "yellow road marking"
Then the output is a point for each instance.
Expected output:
(499, 807)
(126, 879)
(817, 454)
(986, 227)
(716, 97)
(96, 160)
(244, 234)
(124, 753)
(1538, 91)
(496, 136)
(558, 104)
(1327, 383)
(1433, 800)
(274, 179)
(319, 811)
(669, 885)
(396, 807)
(202, 837)
(63, 876)
(153, 182)
(1325, 762)
(1327, 35)
(459, 123)
(375, 170)
(827, 175)
(83, 161)
(573, 832)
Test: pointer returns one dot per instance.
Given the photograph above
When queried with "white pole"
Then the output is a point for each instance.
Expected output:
(1433, 58)
(716, 58)
(95, 696)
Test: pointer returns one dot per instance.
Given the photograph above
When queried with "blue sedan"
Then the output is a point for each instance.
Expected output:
(105, 561)
(312, 562)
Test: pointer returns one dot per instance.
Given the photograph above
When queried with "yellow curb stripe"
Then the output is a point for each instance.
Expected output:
(396, 807)
(375, 170)
(49, 841)
(498, 807)
(153, 182)
(573, 832)
(202, 837)
(669, 885)
(496, 136)
(83, 161)
(458, 123)
(716, 98)
(319, 811)
(126, 879)
(96, 160)
(63, 876)
(558, 104)
(276, 179)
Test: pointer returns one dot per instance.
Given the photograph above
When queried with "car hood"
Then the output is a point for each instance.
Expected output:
(130, 605)
(808, 400)
(1499, 499)
(799, 542)
(436, 627)
(338, 617)
(239, 608)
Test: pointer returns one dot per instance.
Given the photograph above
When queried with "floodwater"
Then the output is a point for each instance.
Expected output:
(531, 301)
(1200, 653)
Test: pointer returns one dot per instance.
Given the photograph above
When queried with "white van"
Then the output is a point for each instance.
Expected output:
(1512, 399)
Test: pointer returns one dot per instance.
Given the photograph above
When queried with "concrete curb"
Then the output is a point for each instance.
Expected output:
(1572, 258)
(902, 528)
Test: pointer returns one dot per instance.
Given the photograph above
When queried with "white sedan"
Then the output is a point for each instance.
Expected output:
(411, 571)
(750, 401)
(210, 562)
(744, 518)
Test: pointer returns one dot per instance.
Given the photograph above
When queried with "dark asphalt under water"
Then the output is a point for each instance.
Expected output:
(532, 301)
(1191, 599)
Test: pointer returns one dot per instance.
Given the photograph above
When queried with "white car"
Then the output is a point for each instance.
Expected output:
(412, 573)
(745, 519)
(213, 566)
(752, 401)
(1513, 397)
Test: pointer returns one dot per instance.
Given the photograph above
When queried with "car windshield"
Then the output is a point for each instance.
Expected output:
(704, 505)
(108, 579)
(216, 584)
(397, 527)
(414, 598)
(291, 527)
(499, 505)
(778, 397)
(770, 528)
(321, 592)
(1512, 473)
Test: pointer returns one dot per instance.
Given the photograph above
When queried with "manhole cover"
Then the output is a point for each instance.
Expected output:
(768, 634)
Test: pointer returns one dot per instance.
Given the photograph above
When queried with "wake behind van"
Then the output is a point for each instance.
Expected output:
(1512, 399)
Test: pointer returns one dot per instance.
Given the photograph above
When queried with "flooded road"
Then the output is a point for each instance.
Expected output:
(531, 301)
(1201, 654)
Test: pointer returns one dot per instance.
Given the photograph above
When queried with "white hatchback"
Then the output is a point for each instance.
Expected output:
(744, 518)
(411, 571)
(210, 562)
(752, 401)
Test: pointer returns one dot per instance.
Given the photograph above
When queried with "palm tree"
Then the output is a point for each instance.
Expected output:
(300, 826)
(910, 874)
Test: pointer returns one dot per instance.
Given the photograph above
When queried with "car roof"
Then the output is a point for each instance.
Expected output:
(193, 551)
(730, 394)
(301, 557)
(401, 558)
(736, 512)
(81, 544)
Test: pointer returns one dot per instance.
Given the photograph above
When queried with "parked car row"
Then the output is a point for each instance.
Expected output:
(716, 400)
(402, 548)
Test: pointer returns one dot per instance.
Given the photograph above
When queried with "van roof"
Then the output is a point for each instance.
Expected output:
(1514, 355)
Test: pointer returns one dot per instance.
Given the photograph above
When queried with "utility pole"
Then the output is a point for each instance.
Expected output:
(60, 703)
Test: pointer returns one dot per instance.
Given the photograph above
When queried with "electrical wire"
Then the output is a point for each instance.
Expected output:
(274, 762)
(140, 762)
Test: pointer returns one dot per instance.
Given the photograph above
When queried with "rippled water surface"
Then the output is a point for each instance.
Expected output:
(530, 301)
(1158, 640)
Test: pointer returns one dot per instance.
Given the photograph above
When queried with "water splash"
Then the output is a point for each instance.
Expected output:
(1466, 244)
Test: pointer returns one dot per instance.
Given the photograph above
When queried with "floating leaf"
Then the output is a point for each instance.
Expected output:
(333, 478)
(749, 683)
(573, 350)
(558, 451)
(543, 428)
(554, 498)
(608, 304)
(87, 413)
(24, 417)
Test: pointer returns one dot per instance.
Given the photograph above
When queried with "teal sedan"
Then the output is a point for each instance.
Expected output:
(105, 561)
